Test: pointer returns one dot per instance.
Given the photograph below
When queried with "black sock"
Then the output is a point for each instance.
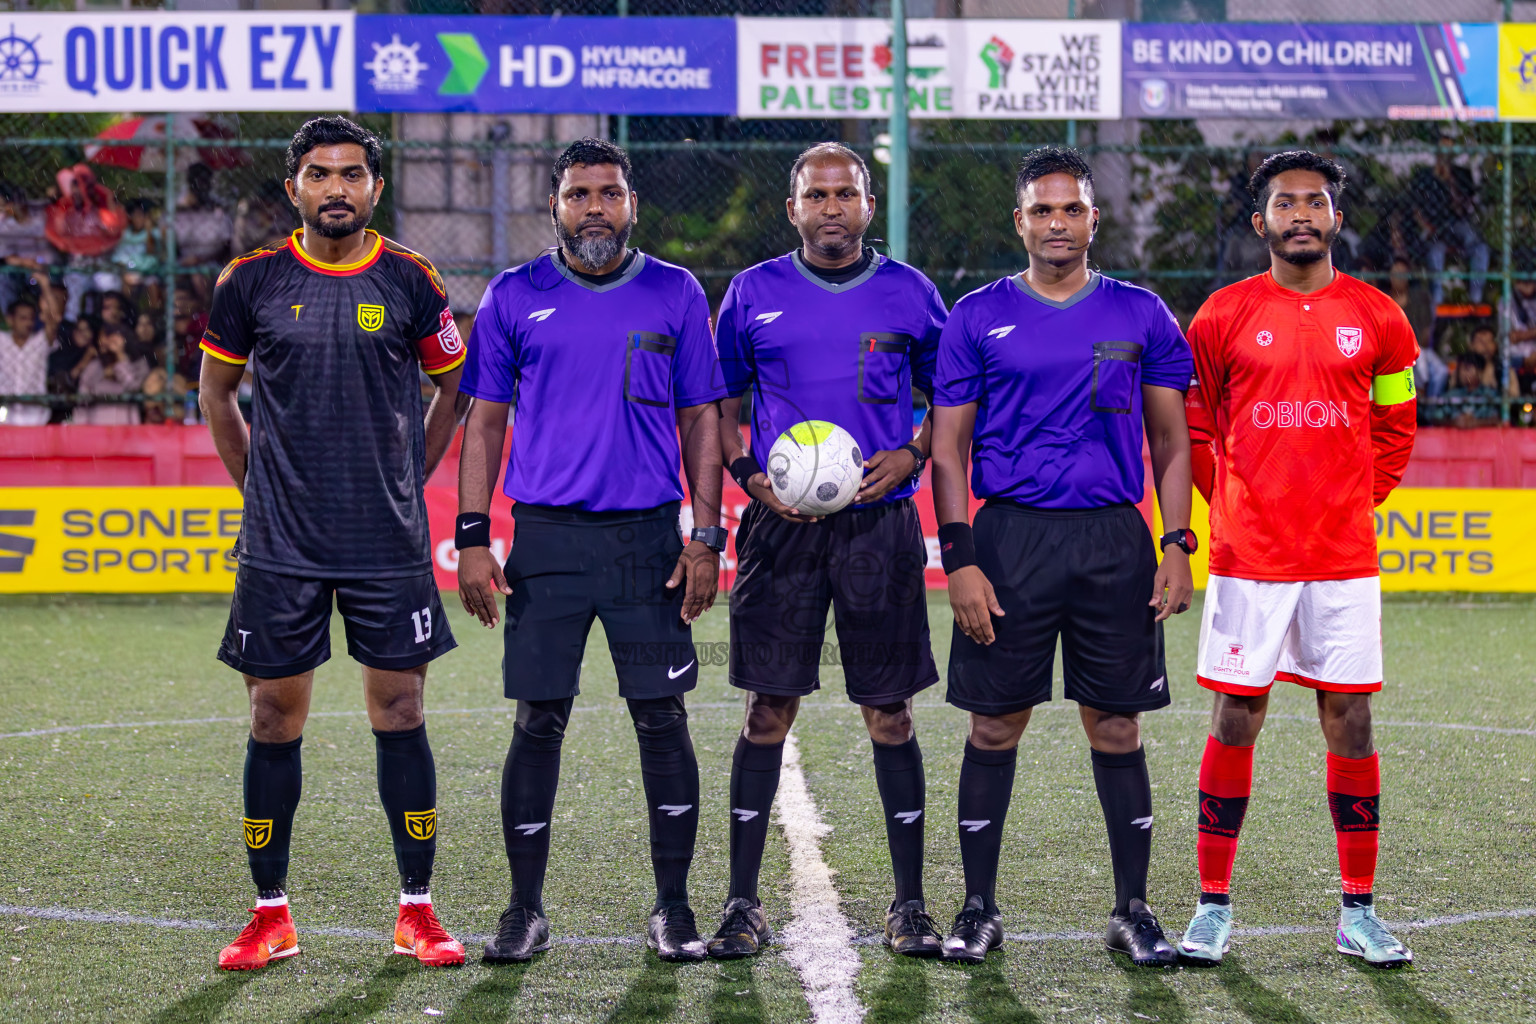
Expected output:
(754, 781)
(1125, 794)
(408, 791)
(899, 777)
(1221, 899)
(528, 782)
(274, 777)
(1358, 899)
(671, 776)
(986, 787)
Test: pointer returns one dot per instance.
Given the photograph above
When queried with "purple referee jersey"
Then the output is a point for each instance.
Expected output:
(1058, 388)
(847, 353)
(597, 374)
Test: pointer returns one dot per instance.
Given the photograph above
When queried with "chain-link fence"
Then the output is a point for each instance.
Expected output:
(1435, 214)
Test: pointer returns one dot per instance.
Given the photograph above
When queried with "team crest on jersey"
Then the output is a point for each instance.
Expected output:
(370, 318)
(448, 334)
(1264, 338)
(258, 832)
(1348, 339)
(421, 824)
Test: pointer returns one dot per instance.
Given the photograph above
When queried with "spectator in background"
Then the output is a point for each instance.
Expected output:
(1446, 198)
(1430, 374)
(265, 218)
(73, 349)
(204, 230)
(147, 339)
(24, 363)
(114, 371)
(116, 310)
(1469, 402)
(1521, 318)
(137, 253)
(1524, 377)
(187, 334)
(1485, 342)
(24, 250)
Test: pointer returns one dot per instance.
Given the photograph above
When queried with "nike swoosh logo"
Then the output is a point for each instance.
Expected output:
(674, 673)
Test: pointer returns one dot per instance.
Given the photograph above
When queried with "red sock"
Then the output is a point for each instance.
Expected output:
(1354, 796)
(1226, 778)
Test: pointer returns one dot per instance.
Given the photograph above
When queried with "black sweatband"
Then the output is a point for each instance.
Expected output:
(744, 469)
(472, 530)
(957, 546)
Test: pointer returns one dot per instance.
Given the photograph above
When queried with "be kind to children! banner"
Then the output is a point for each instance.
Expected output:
(1437, 72)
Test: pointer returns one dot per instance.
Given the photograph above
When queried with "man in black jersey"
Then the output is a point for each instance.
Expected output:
(335, 322)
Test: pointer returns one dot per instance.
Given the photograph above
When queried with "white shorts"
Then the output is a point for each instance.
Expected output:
(1325, 634)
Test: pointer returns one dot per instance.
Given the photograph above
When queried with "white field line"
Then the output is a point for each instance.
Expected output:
(818, 941)
(181, 924)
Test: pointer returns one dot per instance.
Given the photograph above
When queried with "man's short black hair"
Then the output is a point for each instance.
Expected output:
(334, 130)
(828, 151)
(1037, 163)
(590, 152)
(20, 301)
(1295, 160)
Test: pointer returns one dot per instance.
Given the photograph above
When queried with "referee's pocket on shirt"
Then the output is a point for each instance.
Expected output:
(648, 368)
(882, 357)
(1116, 367)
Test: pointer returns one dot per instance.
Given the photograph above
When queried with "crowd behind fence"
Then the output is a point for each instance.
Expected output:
(109, 248)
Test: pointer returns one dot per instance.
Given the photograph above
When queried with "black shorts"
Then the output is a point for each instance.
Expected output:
(281, 625)
(868, 564)
(1083, 574)
(568, 568)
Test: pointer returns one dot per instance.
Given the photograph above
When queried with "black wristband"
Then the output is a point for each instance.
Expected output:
(744, 469)
(957, 546)
(472, 530)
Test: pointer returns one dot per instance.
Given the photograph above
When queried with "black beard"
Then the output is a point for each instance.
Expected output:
(338, 229)
(592, 253)
(1304, 258)
(851, 243)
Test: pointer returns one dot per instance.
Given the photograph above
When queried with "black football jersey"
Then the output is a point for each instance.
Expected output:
(333, 487)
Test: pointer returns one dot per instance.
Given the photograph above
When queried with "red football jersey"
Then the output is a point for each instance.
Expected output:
(1302, 418)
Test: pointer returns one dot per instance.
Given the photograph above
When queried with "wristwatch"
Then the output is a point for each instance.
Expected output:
(917, 453)
(1185, 539)
(714, 537)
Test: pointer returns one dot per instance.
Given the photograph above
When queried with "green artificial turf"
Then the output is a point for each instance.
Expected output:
(142, 820)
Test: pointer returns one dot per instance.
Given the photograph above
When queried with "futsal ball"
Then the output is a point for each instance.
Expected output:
(815, 467)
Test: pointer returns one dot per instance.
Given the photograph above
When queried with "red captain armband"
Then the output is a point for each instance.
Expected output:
(444, 350)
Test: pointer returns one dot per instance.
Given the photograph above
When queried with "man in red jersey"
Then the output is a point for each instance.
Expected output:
(1301, 417)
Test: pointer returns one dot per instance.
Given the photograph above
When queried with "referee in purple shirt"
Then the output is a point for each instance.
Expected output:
(1044, 379)
(607, 355)
(833, 331)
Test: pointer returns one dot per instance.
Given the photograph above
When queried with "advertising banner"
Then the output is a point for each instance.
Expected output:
(1517, 72)
(559, 65)
(1283, 70)
(118, 540)
(841, 68)
(189, 60)
(167, 539)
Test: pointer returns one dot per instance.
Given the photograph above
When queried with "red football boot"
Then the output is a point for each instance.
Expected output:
(269, 936)
(418, 934)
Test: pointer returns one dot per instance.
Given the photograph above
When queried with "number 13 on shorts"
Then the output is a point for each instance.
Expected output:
(422, 620)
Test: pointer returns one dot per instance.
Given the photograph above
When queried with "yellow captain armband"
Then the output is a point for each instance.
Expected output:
(1394, 388)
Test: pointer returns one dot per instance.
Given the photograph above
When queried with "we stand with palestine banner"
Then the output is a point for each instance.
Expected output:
(763, 67)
